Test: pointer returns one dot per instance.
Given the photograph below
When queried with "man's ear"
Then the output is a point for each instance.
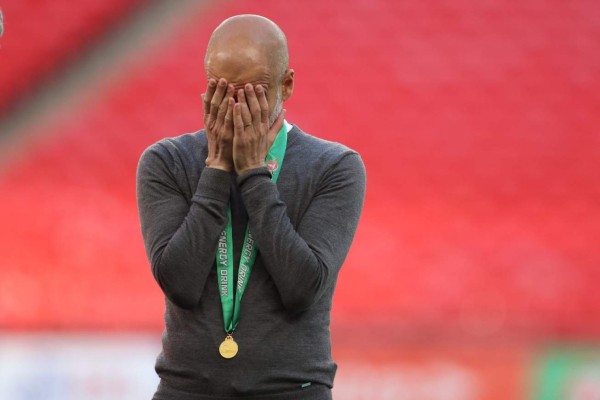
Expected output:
(287, 85)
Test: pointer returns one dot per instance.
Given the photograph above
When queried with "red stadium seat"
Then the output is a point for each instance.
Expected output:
(41, 37)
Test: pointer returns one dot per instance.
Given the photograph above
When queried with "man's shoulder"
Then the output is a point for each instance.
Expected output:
(319, 144)
(310, 147)
(184, 148)
(322, 163)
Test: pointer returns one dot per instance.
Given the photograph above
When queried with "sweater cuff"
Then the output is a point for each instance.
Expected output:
(253, 174)
(214, 184)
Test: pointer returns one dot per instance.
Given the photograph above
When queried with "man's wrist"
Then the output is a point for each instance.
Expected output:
(219, 164)
(250, 173)
(242, 171)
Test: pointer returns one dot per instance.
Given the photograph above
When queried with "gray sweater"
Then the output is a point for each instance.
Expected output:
(303, 226)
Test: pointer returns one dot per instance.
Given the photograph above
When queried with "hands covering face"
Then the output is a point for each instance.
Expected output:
(238, 133)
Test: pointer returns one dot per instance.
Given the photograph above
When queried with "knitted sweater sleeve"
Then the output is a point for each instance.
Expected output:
(180, 236)
(304, 262)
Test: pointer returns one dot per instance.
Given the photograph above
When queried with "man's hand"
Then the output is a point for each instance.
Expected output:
(252, 134)
(218, 124)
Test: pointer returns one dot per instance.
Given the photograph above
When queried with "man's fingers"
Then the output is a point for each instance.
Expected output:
(217, 98)
(252, 102)
(263, 104)
(244, 110)
(207, 97)
(225, 103)
(238, 122)
(229, 114)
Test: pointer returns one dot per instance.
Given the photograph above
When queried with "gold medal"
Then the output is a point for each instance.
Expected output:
(228, 348)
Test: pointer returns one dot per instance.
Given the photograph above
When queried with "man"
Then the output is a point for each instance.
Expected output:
(251, 206)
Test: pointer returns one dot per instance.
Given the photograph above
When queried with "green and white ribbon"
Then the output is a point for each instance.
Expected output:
(230, 299)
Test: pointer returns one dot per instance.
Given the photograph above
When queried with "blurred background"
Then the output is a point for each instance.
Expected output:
(475, 271)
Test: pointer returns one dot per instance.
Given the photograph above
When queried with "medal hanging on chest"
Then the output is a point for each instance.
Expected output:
(231, 297)
(229, 348)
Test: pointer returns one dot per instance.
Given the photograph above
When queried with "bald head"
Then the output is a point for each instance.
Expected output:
(243, 40)
(250, 49)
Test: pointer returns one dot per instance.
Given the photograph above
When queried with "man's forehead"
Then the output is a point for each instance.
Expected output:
(238, 65)
(234, 55)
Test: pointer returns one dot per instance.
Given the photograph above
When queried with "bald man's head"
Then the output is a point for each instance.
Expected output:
(251, 49)
(251, 37)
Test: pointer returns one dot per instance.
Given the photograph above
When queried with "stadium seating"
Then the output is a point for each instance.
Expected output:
(43, 36)
(477, 122)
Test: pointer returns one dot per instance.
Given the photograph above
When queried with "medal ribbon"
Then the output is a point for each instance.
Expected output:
(230, 300)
